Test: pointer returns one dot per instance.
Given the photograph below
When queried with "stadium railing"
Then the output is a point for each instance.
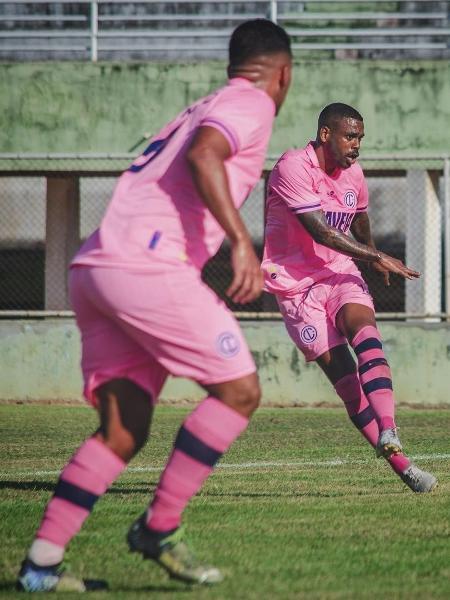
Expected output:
(50, 203)
(181, 29)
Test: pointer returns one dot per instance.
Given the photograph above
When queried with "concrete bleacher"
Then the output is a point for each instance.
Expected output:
(177, 29)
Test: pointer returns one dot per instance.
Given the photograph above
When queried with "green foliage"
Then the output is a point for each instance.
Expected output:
(322, 518)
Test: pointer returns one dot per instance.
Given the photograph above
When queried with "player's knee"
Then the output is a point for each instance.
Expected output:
(248, 396)
(126, 441)
(243, 395)
(140, 437)
(125, 416)
(123, 444)
(253, 398)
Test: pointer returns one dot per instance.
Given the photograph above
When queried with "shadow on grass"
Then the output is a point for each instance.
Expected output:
(10, 586)
(187, 589)
(48, 486)
(305, 494)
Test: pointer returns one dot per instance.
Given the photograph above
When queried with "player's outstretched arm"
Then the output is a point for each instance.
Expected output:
(317, 226)
(206, 157)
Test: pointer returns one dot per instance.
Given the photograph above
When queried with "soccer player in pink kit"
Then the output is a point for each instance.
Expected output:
(316, 196)
(144, 312)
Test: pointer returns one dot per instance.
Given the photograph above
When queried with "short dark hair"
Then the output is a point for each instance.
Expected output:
(256, 37)
(335, 112)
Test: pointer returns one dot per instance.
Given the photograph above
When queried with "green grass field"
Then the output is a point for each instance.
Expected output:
(299, 508)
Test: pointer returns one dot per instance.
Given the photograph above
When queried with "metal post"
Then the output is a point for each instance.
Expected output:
(423, 242)
(94, 30)
(273, 10)
(61, 237)
(447, 232)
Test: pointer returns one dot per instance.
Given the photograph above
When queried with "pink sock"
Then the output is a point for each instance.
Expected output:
(363, 417)
(202, 439)
(375, 375)
(87, 476)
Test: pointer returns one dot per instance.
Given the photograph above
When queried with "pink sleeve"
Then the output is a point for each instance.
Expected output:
(363, 196)
(292, 181)
(244, 119)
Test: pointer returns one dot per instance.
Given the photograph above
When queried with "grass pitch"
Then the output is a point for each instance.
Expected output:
(299, 508)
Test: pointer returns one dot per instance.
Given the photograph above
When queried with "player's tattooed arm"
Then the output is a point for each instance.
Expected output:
(317, 226)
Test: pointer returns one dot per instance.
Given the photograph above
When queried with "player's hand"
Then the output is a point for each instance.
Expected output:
(247, 281)
(393, 265)
(383, 271)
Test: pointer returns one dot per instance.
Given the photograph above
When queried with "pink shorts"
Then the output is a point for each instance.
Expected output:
(310, 316)
(145, 326)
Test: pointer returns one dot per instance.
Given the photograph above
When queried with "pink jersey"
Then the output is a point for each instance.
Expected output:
(292, 259)
(156, 210)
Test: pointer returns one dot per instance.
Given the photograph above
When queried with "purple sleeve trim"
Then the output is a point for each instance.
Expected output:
(306, 208)
(231, 137)
(362, 209)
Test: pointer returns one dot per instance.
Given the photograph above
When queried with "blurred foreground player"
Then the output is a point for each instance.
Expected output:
(316, 196)
(144, 312)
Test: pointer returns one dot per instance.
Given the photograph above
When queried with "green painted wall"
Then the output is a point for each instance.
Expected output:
(39, 360)
(85, 107)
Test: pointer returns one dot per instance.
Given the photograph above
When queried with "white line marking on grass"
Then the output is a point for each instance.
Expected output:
(335, 462)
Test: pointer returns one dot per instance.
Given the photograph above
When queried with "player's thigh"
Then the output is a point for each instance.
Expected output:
(354, 316)
(350, 304)
(309, 324)
(107, 352)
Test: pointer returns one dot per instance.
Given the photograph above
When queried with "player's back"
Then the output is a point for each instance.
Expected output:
(156, 208)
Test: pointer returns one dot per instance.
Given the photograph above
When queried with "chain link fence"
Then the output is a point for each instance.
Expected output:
(49, 204)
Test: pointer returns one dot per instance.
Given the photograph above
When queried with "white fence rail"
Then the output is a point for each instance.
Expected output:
(144, 29)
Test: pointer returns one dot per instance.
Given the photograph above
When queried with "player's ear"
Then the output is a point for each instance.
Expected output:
(285, 76)
(324, 134)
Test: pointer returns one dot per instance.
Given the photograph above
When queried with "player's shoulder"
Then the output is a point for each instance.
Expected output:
(356, 172)
(243, 94)
(294, 160)
(356, 184)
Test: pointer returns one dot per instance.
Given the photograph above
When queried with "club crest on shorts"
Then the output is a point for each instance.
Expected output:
(350, 199)
(228, 344)
(308, 334)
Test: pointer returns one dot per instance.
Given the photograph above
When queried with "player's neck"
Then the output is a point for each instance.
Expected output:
(326, 162)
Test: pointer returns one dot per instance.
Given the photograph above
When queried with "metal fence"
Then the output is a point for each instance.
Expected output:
(50, 203)
(173, 29)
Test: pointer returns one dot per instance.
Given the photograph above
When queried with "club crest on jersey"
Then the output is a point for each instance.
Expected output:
(308, 334)
(350, 199)
(228, 344)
